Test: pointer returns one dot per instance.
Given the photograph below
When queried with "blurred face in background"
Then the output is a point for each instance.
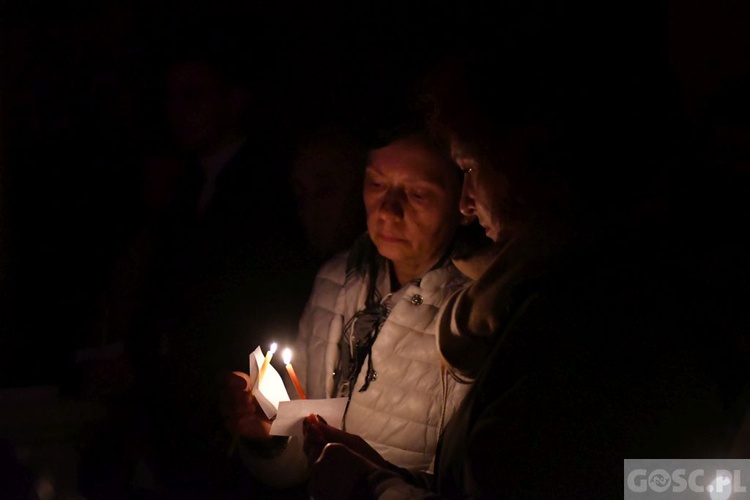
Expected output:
(203, 110)
(326, 177)
(411, 194)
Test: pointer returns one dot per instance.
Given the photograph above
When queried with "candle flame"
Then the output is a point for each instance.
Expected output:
(287, 356)
(273, 348)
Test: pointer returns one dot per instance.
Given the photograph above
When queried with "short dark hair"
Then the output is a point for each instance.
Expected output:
(602, 91)
(227, 45)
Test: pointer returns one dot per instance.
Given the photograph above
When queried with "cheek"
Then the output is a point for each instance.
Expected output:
(437, 223)
(370, 202)
(371, 217)
(490, 190)
(492, 205)
(469, 188)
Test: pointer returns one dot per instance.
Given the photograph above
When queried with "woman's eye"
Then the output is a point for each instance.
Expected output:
(419, 195)
(467, 166)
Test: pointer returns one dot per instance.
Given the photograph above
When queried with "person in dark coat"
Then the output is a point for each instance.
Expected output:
(222, 262)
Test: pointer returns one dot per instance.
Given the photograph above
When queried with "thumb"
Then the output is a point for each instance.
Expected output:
(335, 452)
(237, 380)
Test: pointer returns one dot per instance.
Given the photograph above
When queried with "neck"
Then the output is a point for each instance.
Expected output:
(404, 272)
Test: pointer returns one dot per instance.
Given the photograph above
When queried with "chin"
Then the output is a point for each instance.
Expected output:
(389, 250)
(492, 233)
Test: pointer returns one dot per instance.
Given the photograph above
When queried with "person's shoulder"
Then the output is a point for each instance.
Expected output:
(335, 267)
(333, 271)
(329, 281)
(447, 276)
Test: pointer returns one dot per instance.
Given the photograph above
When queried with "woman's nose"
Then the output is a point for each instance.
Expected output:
(391, 206)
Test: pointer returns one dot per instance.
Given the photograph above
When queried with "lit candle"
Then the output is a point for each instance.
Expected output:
(287, 356)
(266, 361)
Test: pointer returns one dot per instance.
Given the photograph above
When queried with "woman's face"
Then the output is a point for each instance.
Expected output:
(411, 196)
(496, 185)
(485, 191)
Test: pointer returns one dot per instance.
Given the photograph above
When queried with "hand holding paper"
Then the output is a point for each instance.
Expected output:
(289, 419)
(318, 434)
(273, 398)
(339, 462)
(340, 474)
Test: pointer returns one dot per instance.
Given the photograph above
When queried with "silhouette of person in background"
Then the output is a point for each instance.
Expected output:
(326, 176)
(723, 181)
(223, 258)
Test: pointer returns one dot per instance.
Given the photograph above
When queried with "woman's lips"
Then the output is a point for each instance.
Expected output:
(389, 238)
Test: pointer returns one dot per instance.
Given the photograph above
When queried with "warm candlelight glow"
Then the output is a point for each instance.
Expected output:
(287, 357)
(266, 362)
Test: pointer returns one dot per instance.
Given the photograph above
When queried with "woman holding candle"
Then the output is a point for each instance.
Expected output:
(583, 340)
(368, 331)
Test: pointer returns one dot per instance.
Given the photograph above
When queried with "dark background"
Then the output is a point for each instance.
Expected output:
(81, 100)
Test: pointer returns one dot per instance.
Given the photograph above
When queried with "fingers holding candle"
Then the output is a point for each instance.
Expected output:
(243, 416)
(287, 357)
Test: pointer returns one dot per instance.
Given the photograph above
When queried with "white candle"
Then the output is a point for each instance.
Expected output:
(266, 362)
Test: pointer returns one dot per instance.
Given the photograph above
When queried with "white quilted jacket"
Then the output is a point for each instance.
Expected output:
(402, 411)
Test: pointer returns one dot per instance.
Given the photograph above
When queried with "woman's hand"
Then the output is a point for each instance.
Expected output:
(318, 434)
(241, 413)
(340, 473)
